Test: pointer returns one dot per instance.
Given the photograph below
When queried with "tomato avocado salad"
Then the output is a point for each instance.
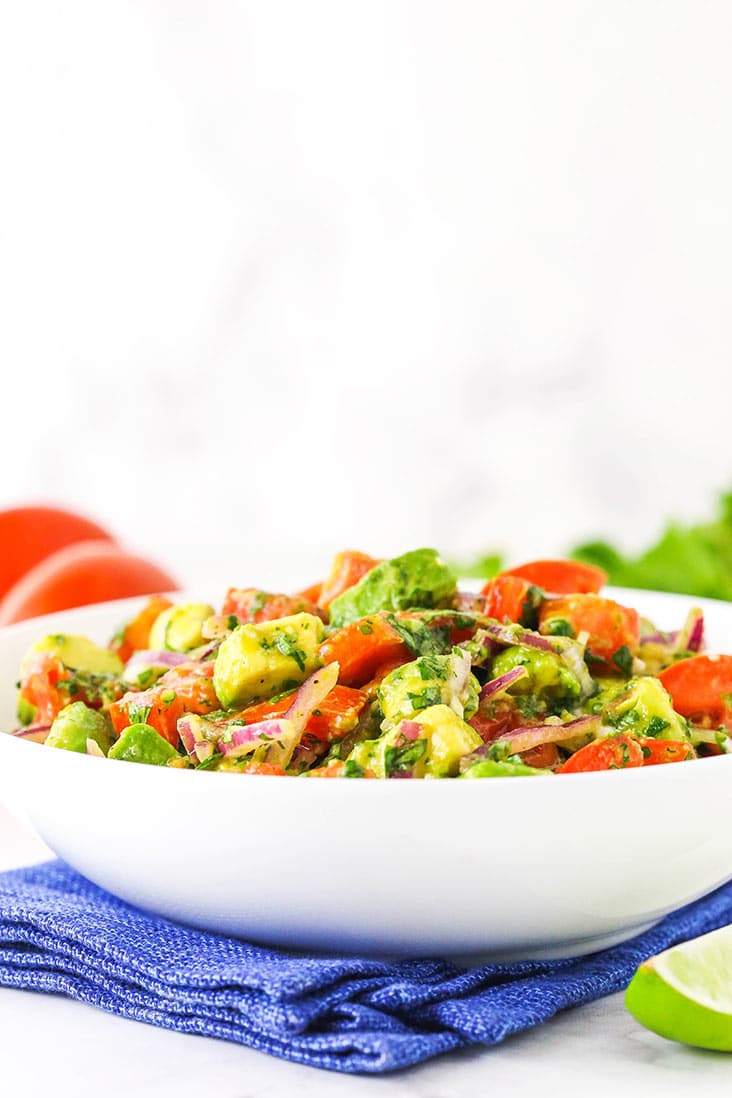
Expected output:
(388, 670)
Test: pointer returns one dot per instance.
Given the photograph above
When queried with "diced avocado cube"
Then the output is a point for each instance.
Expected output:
(434, 752)
(78, 653)
(179, 628)
(139, 743)
(427, 681)
(256, 661)
(644, 707)
(546, 673)
(490, 768)
(417, 579)
(77, 723)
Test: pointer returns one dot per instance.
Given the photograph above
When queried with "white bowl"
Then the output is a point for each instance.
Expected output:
(502, 867)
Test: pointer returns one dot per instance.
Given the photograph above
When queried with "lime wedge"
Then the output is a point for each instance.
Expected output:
(685, 993)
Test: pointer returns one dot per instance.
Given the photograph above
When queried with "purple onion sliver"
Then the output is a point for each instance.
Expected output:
(696, 637)
(497, 686)
(410, 730)
(36, 734)
(312, 692)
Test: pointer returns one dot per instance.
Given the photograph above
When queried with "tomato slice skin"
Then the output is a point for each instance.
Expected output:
(561, 577)
(608, 753)
(81, 574)
(701, 689)
(658, 752)
(349, 567)
(29, 535)
(506, 596)
(611, 627)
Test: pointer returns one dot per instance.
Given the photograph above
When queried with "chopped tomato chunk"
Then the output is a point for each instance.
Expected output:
(701, 689)
(348, 568)
(336, 715)
(614, 630)
(187, 688)
(249, 604)
(136, 634)
(656, 752)
(607, 753)
(362, 647)
(561, 577)
(506, 597)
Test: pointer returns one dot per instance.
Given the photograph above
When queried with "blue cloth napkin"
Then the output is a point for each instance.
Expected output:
(61, 934)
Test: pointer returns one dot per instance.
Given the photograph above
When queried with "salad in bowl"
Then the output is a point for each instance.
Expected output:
(388, 670)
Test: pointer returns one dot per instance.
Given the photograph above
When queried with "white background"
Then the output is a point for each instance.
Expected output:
(279, 278)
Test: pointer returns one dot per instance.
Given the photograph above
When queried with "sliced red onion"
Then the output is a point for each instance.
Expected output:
(515, 634)
(93, 748)
(150, 660)
(206, 651)
(658, 638)
(497, 686)
(524, 738)
(312, 692)
(278, 735)
(35, 734)
(691, 635)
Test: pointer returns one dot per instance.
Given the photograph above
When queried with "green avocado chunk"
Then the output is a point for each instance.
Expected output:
(77, 723)
(79, 653)
(256, 661)
(139, 743)
(489, 768)
(416, 579)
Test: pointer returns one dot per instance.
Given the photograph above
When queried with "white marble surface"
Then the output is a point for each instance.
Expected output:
(54, 1046)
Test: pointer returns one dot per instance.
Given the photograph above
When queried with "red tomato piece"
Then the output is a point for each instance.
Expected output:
(611, 627)
(312, 593)
(91, 571)
(506, 596)
(362, 647)
(187, 688)
(39, 686)
(561, 577)
(336, 715)
(136, 634)
(701, 689)
(30, 534)
(348, 568)
(607, 753)
(252, 605)
(657, 752)
(264, 768)
(544, 757)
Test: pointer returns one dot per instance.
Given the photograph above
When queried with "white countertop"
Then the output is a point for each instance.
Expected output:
(597, 1049)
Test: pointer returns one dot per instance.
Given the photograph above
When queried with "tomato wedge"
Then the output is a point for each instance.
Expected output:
(561, 577)
(607, 753)
(701, 689)
(614, 630)
(348, 568)
(656, 752)
(506, 597)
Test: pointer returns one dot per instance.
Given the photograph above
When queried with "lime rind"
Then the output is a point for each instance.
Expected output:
(685, 993)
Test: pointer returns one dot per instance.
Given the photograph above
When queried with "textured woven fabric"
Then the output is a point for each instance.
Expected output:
(59, 933)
